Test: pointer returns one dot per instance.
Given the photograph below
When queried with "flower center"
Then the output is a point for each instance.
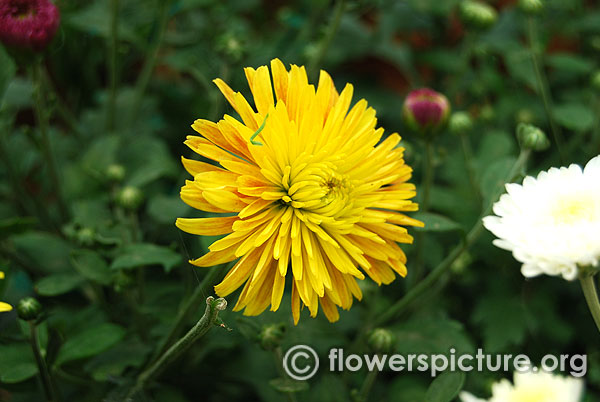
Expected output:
(23, 11)
(532, 395)
(573, 210)
(318, 188)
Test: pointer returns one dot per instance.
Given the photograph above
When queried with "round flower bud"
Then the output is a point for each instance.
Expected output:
(29, 309)
(130, 197)
(271, 335)
(477, 14)
(596, 80)
(531, 137)
(425, 111)
(525, 116)
(460, 122)
(531, 6)
(231, 46)
(122, 281)
(381, 340)
(86, 236)
(115, 172)
(487, 113)
(29, 24)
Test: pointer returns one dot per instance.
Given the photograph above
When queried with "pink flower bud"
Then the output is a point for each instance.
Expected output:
(425, 110)
(28, 23)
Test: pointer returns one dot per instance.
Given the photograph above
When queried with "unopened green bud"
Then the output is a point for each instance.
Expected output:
(29, 309)
(460, 123)
(381, 340)
(123, 281)
(86, 236)
(531, 6)
(115, 172)
(525, 116)
(130, 197)
(487, 113)
(477, 14)
(270, 336)
(231, 46)
(531, 137)
(461, 263)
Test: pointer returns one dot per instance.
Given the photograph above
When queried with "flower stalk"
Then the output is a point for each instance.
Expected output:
(420, 288)
(146, 74)
(363, 395)
(112, 63)
(316, 61)
(588, 285)
(47, 383)
(208, 320)
(40, 110)
(543, 86)
(190, 305)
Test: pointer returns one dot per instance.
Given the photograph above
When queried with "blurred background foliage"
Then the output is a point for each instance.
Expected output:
(111, 270)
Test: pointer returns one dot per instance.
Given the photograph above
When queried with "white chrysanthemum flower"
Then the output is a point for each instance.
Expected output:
(538, 386)
(551, 223)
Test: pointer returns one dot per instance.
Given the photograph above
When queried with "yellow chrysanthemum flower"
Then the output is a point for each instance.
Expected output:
(4, 307)
(309, 189)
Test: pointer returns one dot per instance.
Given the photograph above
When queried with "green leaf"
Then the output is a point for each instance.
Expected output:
(18, 373)
(7, 71)
(113, 362)
(16, 363)
(164, 209)
(91, 265)
(287, 385)
(142, 254)
(495, 176)
(90, 342)
(432, 335)
(570, 63)
(45, 252)
(95, 20)
(503, 319)
(520, 67)
(445, 387)
(574, 116)
(435, 222)
(15, 225)
(57, 284)
(149, 162)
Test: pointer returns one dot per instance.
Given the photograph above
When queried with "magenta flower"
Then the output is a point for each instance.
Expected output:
(28, 23)
(425, 110)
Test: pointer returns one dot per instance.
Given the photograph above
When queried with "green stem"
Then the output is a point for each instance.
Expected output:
(15, 181)
(426, 183)
(61, 107)
(190, 306)
(363, 395)
(41, 115)
(591, 296)
(202, 327)
(316, 61)
(468, 155)
(146, 74)
(112, 64)
(396, 309)
(544, 88)
(47, 382)
(278, 356)
(427, 175)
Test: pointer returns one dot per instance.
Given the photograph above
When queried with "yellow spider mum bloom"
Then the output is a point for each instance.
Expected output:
(309, 190)
(4, 306)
